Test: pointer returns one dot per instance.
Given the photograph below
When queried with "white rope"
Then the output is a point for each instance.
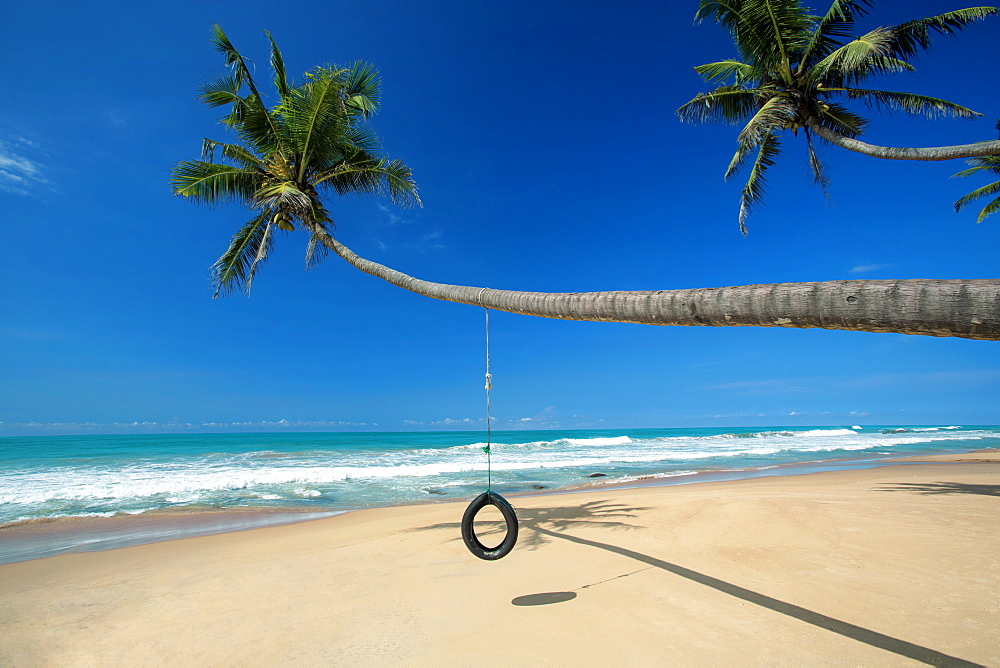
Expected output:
(489, 386)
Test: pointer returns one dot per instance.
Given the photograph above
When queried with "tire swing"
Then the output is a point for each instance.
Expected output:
(472, 541)
(489, 497)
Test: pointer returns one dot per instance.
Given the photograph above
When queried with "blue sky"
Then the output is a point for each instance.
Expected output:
(549, 158)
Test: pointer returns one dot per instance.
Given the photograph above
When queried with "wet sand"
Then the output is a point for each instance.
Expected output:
(888, 566)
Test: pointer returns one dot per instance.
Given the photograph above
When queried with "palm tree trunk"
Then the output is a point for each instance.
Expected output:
(896, 153)
(964, 308)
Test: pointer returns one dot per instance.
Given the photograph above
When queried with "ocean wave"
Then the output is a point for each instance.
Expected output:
(809, 433)
(592, 442)
(325, 476)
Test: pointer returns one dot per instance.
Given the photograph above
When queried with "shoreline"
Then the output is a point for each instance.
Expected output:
(42, 538)
(894, 565)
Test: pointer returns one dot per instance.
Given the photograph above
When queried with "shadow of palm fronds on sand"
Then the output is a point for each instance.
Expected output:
(941, 488)
(536, 523)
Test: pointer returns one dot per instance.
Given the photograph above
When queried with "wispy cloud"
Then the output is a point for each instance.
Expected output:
(445, 422)
(20, 174)
(957, 379)
(866, 268)
(768, 386)
(847, 414)
(730, 416)
(392, 215)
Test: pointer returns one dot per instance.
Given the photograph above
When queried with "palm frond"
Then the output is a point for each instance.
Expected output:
(363, 138)
(988, 210)
(753, 191)
(314, 111)
(212, 183)
(368, 176)
(249, 115)
(234, 60)
(911, 103)
(258, 127)
(402, 187)
(724, 70)
(247, 250)
(278, 67)
(316, 251)
(362, 89)
(912, 37)
(223, 90)
(979, 193)
(840, 119)
(859, 59)
(730, 104)
(738, 160)
(263, 250)
(775, 114)
(767, 32)
(986, 163)
(283, 196)
(232, 152)
(819, 173)
(838, 23)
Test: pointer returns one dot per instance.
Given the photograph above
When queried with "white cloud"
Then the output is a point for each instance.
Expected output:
(392, 215)
(866, 268)
(19, 174)
(452, 421)
(759, 386)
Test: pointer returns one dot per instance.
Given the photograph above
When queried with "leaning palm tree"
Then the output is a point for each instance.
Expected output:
(795, 69)
(313, 140)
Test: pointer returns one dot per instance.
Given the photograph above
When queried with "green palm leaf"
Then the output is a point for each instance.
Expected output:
(840, 119)
(220, 91)
(819, 173)
(979, 193)
(724, 70)
(730, 104)
(316, 252)
(989, 164)
(838, 23)
(910, 103)
(278, 66)
(284, 196)
(316, 108)
(766, 32)
(249, 247)
(753, 191)
(912, 37)
(775, 114)
(362, 89)
(232, 152)
(859, 59)
(211, 183)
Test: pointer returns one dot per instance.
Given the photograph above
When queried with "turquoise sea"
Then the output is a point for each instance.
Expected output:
(49, 485)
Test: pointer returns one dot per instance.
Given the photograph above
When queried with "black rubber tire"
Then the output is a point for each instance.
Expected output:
(469, 534)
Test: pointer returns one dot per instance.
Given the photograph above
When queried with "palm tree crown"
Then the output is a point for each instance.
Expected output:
(314, 140)
(792, 69)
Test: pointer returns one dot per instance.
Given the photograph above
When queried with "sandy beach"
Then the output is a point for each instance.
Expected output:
(890, 566)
